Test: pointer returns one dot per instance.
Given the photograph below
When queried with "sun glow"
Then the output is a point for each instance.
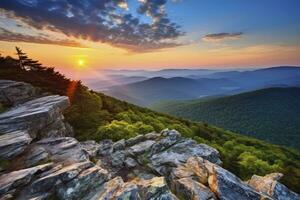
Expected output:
(81, 62)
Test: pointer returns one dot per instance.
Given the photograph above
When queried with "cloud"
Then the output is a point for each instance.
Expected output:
(9, 36)
(103, 21)
(216, 37)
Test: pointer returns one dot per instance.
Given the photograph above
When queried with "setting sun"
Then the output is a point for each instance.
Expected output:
(81, 62)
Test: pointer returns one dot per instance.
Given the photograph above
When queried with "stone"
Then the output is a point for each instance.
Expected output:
(36, 116)
(130, 163)
(118, 159)
(270, 185)
(134, 140)
(87, 180)
(64, 149)
(227, 186)
(91, 147)
(15, 179)
(155, 188)
(119, 145)
(35, 155)
(141, 147)
(49, 180)
(105, 148)
(127, 191)
(187, 188)
(12, 92)
(14, 143)
(178, 153)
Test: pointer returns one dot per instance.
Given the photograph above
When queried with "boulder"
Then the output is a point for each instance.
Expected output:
(36, 155)
(12, 92)
(187, 188)
(87, 180)
(91, 147)
(178, 153)
(64, 149)
(141, 147)
(41, 117)
(13, 143)
(16, 179)
(270, 186)
(105, 148)
(155, 188)
(227, 186)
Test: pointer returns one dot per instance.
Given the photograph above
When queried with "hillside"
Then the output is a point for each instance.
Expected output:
(269, 114)
(158, 89)
(97, 116)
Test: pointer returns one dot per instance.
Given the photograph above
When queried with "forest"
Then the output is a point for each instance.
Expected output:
(96, 116)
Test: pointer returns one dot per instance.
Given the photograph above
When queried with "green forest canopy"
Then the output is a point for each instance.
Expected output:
(96, 116)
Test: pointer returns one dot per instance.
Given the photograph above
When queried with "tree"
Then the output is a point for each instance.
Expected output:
(27, 63)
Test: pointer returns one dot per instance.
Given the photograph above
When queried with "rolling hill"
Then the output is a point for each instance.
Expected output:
(271, 114)
(177, 88)
(184, 87)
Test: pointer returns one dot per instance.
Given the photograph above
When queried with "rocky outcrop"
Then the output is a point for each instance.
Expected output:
(38, 118)
(12, 93)
(45, 162)
(270, 186)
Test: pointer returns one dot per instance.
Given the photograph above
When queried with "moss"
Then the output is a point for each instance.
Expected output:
(4, 164)
(2, 108)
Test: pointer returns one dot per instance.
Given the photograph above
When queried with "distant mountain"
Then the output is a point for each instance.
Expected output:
(160, 89)
(166, 73)
(112, 80)
(271, 114)
(157, 89)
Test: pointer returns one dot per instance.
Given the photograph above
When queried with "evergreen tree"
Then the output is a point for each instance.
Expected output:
(27, 63)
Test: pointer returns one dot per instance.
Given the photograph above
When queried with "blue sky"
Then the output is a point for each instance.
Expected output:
(154, 33)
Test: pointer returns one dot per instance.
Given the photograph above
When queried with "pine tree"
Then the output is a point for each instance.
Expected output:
(27, 63)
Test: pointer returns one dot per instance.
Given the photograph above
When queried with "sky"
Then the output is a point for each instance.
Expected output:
(82, 37)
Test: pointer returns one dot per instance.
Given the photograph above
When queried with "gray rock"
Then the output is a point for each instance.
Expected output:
(64, 149)
(13, 143)
(105, 147)
(118, 159)
(87, 180)
(90, 146)
(130, 163)
(178, 153)
(119, 145)
(141, 147)
(36, 155)
(227, 186)
(270, 186)
(135, 140)
(12, 93)
(13, 180)
(36, 116)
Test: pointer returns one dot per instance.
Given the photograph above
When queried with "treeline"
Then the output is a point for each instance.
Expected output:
(97, 116)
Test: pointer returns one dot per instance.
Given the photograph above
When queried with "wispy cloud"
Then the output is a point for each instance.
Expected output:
(103, 21)
(216, 37)
(9, 36)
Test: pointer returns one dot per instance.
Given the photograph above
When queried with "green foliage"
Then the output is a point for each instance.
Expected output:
(271, 114)
(97, 116)
(4, 164)
(2, 108)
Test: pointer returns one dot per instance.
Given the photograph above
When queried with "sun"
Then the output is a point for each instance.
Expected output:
(81, 62)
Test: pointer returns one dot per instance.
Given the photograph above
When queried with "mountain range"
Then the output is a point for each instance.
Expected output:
(154, 90)
(271, 114)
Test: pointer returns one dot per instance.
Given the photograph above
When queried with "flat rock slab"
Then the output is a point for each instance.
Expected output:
(19, 178)
(13, 143)
(33, 115)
